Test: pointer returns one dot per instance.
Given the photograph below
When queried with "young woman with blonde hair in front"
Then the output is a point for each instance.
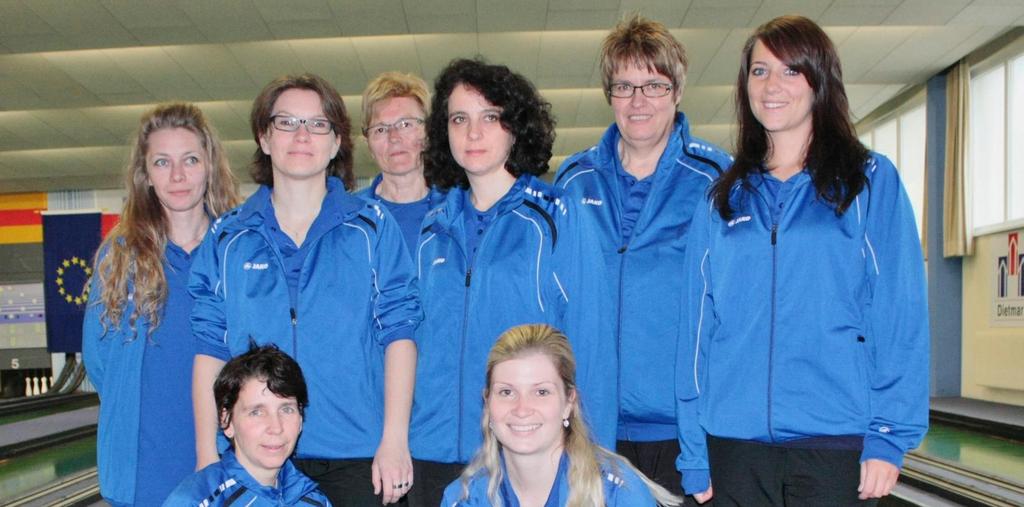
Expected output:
(537, 449)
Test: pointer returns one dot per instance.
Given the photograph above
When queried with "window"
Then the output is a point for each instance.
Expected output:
(995, 159)
(901, 138)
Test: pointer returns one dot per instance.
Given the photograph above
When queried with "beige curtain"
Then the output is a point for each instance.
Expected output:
(957, 240)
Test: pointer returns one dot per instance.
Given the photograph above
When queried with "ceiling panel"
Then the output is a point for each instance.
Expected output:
(518, 50)
(440, 16)
(369, 17)
(227, 21)
(858, 12)
(156, 72)
(868, 45)
(333, 59)
(568, 53)
(293, 10)
(95, 71)
(75, 76)
(75, 125)
(720, 14)
(669, 12)
(926, 12)
(211, 66)
(914, 59)
(594, 110)
(582, 5)
(12, 136)
(702, 102)
(769, 10)
(581, 20)
(14, 95)
(505, 16)
(19, 19)
(84, 23)
(722, 68)
(564, 104)
(435, 51)
(701, 47)
(264, 61)
(989, 12)
(147, 14)
(47, 81)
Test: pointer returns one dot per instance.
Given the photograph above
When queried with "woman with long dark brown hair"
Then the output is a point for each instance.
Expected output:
(803, 377)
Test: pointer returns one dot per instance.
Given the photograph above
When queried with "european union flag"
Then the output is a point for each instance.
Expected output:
(69, 243)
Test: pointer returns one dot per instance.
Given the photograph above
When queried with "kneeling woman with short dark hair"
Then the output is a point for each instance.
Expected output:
(537, 450)
(261, 398)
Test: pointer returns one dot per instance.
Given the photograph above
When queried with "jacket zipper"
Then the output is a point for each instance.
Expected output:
(771, 330)
(292, 310)
(295, 332)
(462, 360)
(771, 339)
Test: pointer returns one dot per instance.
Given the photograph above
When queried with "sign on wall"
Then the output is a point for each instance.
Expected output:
(1008, 300)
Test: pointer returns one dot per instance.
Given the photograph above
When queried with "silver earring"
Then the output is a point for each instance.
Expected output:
(565, 422)
(490, 425)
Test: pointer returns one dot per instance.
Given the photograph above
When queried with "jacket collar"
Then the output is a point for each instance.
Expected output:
(679, 141)
(292, 485)
(559, 488)
(337, 201)
(434, 196)
(449, 213)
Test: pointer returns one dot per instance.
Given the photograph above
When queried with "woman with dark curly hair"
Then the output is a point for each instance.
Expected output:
(502, 250)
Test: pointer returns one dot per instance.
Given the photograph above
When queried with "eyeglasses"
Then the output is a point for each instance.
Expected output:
(402, 127)
(651, 90)
(318, 126)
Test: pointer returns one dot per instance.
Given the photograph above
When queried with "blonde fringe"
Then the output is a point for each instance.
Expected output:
(585, 457)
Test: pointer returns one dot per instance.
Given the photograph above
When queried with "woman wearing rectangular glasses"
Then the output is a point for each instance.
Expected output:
(324, 275)
(394, 110)
(641, 183)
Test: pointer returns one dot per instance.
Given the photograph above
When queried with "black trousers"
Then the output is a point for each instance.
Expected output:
(430, 480)
(346, 482)
(752, 473)
(657, 460)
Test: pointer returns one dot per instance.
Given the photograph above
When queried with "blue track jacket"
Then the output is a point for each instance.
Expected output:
(356, 295)
(644, 283)
(434, 198)
(535, 264)
(228, 483)
(114, 360)
(622, 488)
(803, 324)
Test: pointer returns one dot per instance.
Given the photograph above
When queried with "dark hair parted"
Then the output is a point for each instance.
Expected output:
(835, 156)
(524, 114)
(261, 169)
(266, 363)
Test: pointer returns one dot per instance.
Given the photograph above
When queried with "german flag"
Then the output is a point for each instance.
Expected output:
(20, 219)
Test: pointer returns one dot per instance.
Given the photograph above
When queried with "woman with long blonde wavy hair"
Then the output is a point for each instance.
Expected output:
(537, 449)
(137, 343)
